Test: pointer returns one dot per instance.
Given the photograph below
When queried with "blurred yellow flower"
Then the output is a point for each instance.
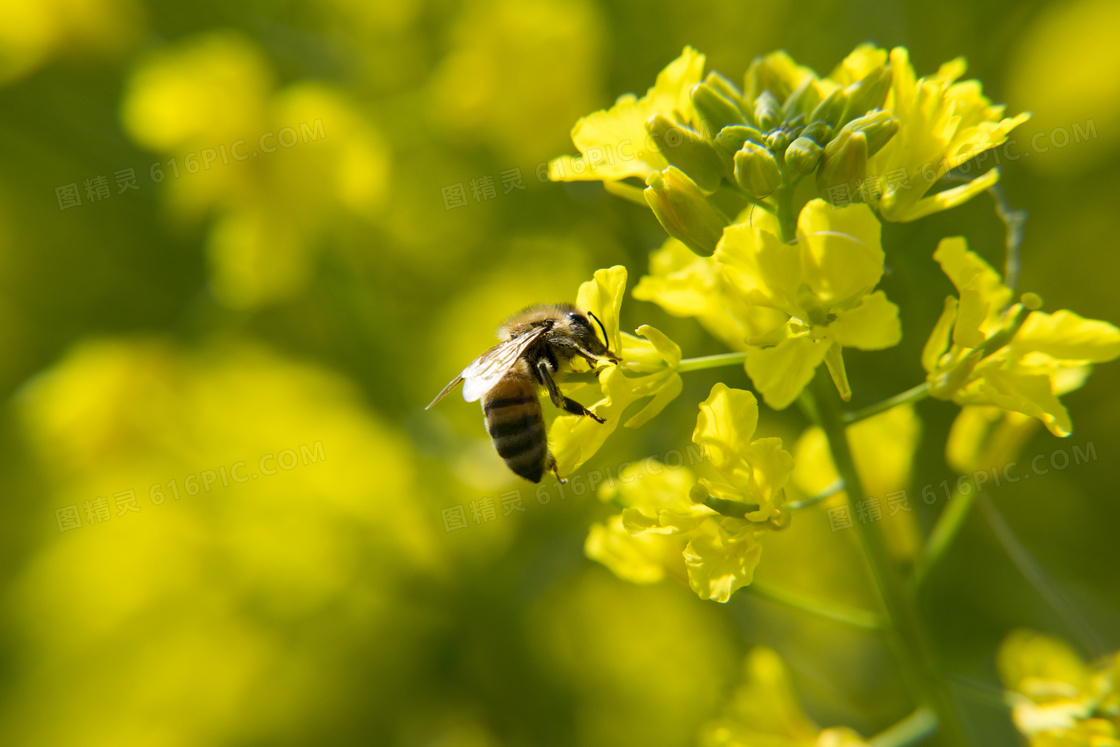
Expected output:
(1057, 700)
(764, 710)
(943, 123)
(614, 143)
(883, 448)
(986, 436)
(1055, 68)
(499, 86)
(266, 522)
(662, 522)
(823, 284)
(34, 32)
(247, 154)
(975, 357)
(647, 369)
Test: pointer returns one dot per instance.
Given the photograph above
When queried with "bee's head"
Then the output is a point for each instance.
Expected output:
(585, 327)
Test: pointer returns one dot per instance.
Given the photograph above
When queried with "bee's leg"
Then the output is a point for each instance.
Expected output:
(550, 465)
(564, 403)
(591, 358)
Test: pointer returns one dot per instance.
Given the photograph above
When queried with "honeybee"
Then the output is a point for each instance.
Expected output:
(536, 344)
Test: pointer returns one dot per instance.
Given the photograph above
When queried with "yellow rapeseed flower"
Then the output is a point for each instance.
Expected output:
(823, 283)
(648, 369)
(1056, 698)
(614, 143)
(687, 285)
(975, 356)
(764, 710)
(943, 122)
(671, 533)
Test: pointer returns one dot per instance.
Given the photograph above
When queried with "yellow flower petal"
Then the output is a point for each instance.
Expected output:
(614, 144)
(942, 124)
(669, 351)
(1030, 394)
(764, 709)
(938, 341)
(983, 294)
(901, 212)
(782, 371)
(841, 256)
(760, 267)
(1068, 337)
(872, 325)
(719, 563)
(684, 284)
(603, 297)
(639, 560)
(667, 390)
(726, 423)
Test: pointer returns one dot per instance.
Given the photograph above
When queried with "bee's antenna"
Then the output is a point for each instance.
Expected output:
(605, 338)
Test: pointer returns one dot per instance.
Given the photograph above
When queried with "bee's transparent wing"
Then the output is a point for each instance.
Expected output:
(446, 390)
(488, 368)
(491, 366)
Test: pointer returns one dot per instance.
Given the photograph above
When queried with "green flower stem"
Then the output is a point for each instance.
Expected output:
(710, 361)
(912, 644)
(787, 219)
(626, 191)
(833, 488)
(914, 394)
(944, 532)
(910, 730)
(1034, 573)
(733, 509)
(839, 613)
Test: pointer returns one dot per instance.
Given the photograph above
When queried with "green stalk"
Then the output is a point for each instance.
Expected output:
(910, 730)
(914, 394)
(787, 219)
(848, 615)
(911, 641)
(832, 489)
(944, 532)
(710, 361)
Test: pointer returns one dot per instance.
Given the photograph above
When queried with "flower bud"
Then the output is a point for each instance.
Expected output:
(731, 138)
(767, 111)
(728, 142)
(716, 110)
(831, 109)
(878, 126)
(777, 141)
(819, 131)
(844, 162)
(723, 85)
(684, 211)
(868, 94)
(756, 170)
(803, 155)
(698, 494)
(802, 101)
(687, 149)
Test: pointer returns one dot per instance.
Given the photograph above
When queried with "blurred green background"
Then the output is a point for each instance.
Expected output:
(215, 311)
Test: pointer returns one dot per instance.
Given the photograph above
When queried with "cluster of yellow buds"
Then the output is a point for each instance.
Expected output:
(709, 149)
(786, 125)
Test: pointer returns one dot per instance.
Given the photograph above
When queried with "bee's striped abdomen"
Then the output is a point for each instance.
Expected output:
(515, 422)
